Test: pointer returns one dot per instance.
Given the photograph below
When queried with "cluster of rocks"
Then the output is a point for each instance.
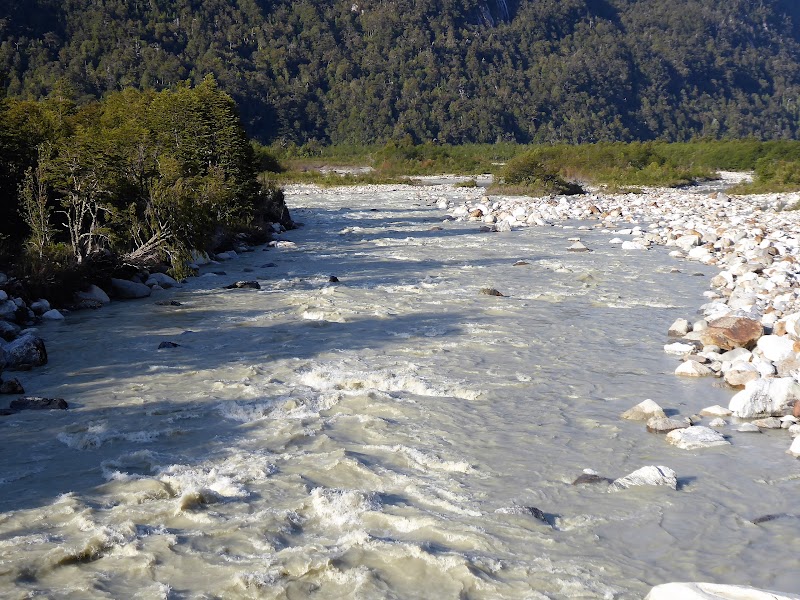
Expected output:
(749, 334)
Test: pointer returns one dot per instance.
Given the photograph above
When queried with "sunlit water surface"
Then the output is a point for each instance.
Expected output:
(377, 437)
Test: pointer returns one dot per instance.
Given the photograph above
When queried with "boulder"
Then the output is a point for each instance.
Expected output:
(716, 411)
(740, 373)
(776, 348)
(794, 449)
(713, 591)
(8, 310)
(162, 279)
(38, 403)
(731, 332)
(679, 328)
(665, 424)
(644, 411)
(748, 428)
(679, 348)
(8, 331)
(25, 352)
(490, 292)
(129, 290)
(765, 398)
(40, 307)
(697, 436)
(692, 368)
(52, 315)
(768, 423)
(718, 422)
(92, 293)
(649, 475)
(578, 247)
(11, 386)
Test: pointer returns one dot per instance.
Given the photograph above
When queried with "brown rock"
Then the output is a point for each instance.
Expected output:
(732, 332)
(796, 411)
(477, 213)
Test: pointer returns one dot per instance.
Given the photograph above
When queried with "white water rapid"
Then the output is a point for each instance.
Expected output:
(381, 437)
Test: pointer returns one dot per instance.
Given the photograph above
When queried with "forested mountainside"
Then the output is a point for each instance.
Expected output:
(363, 71)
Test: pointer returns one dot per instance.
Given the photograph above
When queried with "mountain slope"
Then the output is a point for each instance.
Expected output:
(455, 70)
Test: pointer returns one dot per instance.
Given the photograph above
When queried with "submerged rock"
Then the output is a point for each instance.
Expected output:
(253, 285)
(590, 478)
(11, 386)
(649, 475)
(665, 424)
(38, 403)
(490, 292)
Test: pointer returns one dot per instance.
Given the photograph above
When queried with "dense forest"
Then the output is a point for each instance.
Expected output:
(137, 178)
(455, 71)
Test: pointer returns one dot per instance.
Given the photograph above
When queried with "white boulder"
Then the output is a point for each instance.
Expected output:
(765, 397)
(644, 411)
(692, 368)
(713, 591)
(129, 289)
(697, 436)
(794, 449)
(776, 347)
(53, 315)
(649, 475)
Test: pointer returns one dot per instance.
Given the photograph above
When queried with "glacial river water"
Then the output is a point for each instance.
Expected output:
(381, 437)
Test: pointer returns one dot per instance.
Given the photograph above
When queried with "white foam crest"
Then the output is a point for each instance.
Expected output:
(98, 434)
(340, 507)
(442, 499)
(246, 412)
(424, 461)
(341, 376)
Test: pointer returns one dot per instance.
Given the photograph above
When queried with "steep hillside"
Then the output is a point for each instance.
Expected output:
(454, 70)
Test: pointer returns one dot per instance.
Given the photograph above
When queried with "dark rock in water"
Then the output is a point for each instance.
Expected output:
(168, 345)
(268, 265)
(333, 279)
(168, 303)
(25, 353)
(586, 478)
(490, 292)
(12, 386)
(521, 263)
(253, 285)
(6, 412)
(436, 228)
(767, 518)
(526, 511)
(86, 304)
(38, 403)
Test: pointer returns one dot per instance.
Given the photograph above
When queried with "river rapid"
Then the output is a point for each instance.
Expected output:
(381, 437)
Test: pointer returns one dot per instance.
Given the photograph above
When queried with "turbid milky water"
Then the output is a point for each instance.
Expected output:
(386, 436)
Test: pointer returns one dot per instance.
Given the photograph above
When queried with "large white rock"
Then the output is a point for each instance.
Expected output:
(715, 411)
(692, 368)
(644, 411)
(679, 348)
(697, 436)
(794, 449)
(776, 347)
(93, 293)
(649, 475)
(765, 397)
(713, 591)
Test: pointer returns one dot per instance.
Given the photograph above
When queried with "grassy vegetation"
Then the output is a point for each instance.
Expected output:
(547, 169)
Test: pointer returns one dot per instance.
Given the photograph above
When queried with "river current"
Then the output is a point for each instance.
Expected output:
(386, 435)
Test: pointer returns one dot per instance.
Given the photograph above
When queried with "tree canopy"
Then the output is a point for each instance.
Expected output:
(366, 71)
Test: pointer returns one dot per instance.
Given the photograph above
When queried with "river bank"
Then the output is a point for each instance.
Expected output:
(368, 423)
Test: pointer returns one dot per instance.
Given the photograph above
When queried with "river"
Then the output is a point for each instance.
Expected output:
(381, 436)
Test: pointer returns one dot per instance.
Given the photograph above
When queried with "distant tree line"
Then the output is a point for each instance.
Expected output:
(454, 71)
(142, 176)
